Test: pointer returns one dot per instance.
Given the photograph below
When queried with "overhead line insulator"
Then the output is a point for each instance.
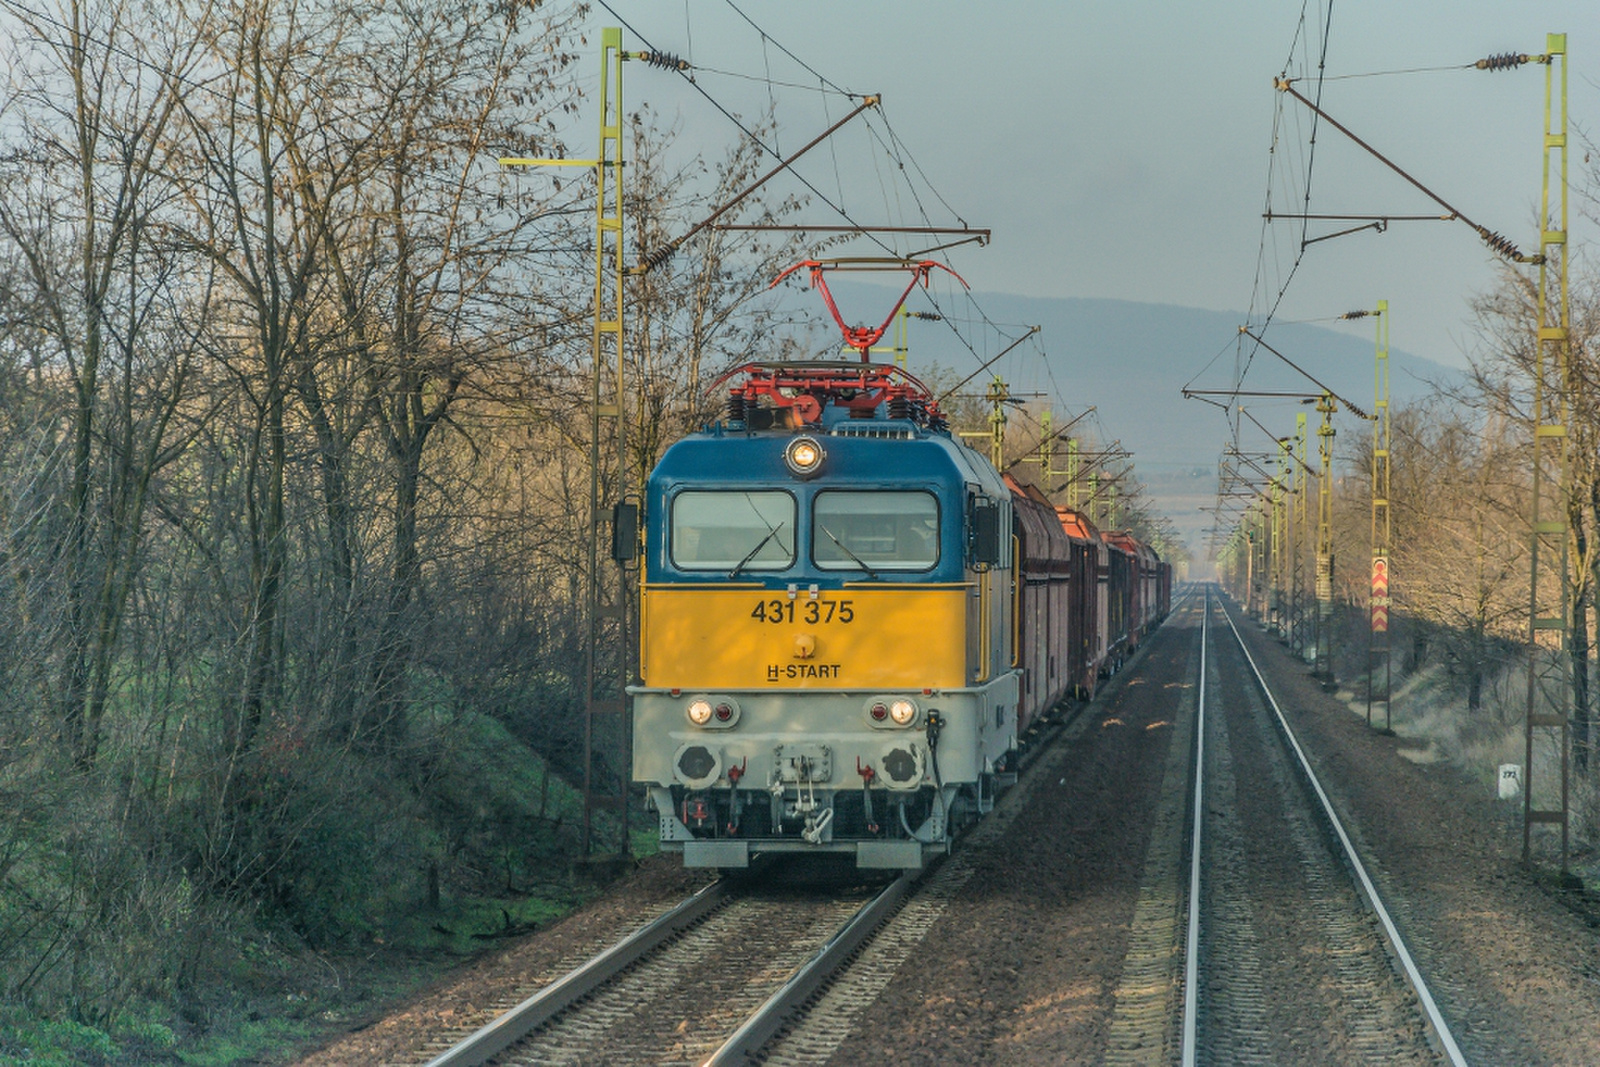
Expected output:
(1505, 61)
(659, 256)
(1503, 246)
(664, 60)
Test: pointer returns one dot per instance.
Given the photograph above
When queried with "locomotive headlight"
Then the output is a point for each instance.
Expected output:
(713, 712)
(804, 456)
(902, 712)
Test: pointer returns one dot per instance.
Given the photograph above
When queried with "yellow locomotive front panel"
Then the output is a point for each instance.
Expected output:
(746, 637)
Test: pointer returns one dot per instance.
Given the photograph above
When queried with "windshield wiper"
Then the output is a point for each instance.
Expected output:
(857, 560)
(752, 553)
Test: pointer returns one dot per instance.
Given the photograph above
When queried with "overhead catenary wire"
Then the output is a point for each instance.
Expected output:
(699, 68)
(894, 148)
(87, 36)
(1310, 160)
(1402, 70)
(771, 151)
(1263, 309)
(662, 254)
(1501, 245)
(1498, 243)
(910, 199)
(766, 36)
(739, 124)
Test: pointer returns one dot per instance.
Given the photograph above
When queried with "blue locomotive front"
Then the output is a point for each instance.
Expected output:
(826, 625)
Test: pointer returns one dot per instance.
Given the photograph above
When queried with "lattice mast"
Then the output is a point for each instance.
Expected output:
(1378, 661)
(1297, 582)
(606, 611)
(1550, 588)
(608, 663)
(1378, 648)
(1324, 628)
(1283, 488)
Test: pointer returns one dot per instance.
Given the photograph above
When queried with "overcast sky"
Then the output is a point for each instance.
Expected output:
(1122, 149)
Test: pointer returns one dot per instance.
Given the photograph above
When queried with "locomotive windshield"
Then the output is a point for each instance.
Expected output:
(733, 530)
(893, 531)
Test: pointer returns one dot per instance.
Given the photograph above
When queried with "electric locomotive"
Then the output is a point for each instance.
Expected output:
(828, 645)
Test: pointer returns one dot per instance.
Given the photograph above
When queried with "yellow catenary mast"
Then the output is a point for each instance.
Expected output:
(1378, 665)
(1324, 633)
(1297, 580)
(605, 699)
(1378, 630)
(608, 659)
(1550, 596)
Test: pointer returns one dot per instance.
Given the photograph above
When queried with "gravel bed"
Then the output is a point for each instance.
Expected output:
(683, 1001)
(1514, 970)
(1283, 924)
(1025, 964)
(461, 1003)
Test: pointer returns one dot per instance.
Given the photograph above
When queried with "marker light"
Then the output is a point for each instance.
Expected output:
(804, 456)
(699, 711)
(879, 711)
(724, 711)
(902, 712)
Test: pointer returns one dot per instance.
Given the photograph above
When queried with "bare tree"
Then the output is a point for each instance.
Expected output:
(1456, 490)
(1502, 377)
(85, 210)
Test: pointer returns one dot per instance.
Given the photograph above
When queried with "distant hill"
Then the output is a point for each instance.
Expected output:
(1132, 360)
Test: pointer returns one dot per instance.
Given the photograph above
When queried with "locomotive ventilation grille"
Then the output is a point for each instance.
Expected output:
(888, 432)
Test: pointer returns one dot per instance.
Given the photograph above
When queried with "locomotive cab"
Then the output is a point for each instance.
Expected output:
(827, 656)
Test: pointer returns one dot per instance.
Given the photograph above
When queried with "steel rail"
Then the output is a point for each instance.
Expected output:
(510, 1027)
(1390, 932)
(1191, 946)
(810, 976)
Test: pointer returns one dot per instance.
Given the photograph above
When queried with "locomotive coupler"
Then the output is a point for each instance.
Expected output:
(817, 817)
(817, 826)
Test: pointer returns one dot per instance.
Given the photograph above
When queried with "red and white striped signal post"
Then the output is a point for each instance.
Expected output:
(1380, 594)
(1378, 640)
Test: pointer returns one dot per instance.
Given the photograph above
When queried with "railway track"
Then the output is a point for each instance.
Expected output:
(739, 972)
(1290, 953)
(731, 960)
